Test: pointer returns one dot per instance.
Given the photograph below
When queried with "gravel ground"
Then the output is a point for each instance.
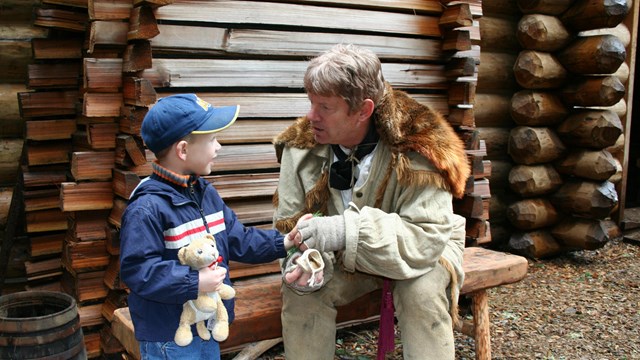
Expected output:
(582, 305)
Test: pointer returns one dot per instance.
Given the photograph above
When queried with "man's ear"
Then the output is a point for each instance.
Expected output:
(181, 149)
(366, 110)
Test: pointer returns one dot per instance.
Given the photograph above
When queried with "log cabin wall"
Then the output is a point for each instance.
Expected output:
(554, 76)
(97, 65)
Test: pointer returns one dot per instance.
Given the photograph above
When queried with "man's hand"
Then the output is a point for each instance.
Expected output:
(304, 271)
(324, 233)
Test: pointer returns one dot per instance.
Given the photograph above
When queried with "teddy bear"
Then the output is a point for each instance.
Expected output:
(199, 253)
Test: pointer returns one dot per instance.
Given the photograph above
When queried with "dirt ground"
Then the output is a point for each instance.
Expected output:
(582, 305)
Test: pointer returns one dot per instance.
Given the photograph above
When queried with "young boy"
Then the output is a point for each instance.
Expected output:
(169, 209)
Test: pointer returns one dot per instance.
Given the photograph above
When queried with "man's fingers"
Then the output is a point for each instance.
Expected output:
(303, 280)
(293, 275)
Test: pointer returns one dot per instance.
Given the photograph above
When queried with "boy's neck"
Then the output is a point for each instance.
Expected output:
(172, 177)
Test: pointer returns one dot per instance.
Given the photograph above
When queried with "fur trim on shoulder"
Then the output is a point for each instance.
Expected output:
(407, 125)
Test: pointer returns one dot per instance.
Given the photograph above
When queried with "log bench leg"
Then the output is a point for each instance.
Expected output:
(481, 323)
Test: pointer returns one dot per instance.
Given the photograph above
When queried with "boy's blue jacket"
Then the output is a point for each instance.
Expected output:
(162, 217)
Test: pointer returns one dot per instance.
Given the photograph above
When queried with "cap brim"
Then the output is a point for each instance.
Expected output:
(220, 119)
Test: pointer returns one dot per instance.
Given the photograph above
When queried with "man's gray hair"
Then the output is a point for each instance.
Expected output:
(346, 70)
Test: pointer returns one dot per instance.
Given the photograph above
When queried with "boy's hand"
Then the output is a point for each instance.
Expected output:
(210, 279)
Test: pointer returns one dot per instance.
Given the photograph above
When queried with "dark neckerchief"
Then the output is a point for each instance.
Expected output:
(341, 173)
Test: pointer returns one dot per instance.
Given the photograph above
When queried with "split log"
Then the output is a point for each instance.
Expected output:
(33, 178)
(92, 165)
(108, 33)
(130, 151)
(272, 73)
(598, 54)
(48, 153)
(455, 16)
(143, 24)
(102, 74)
(257, 42)
(102, 104)
(46, 220)
(594, 14)
(124, 182)
(86, 196)
(536, 244)
(462, 93)
(591, 129)
(581, 233)
(85, 286)
(87, 225)
(598, 165)
(531, 145)
(41, 199)
(52, 48)
(43, 245)
(280, 14)
(472, 206)
(131, 119)
(63, 75)
(456, 40)
(237, 186)
(537, 108)
(109, 9)
(593, 91)
(593, 200)
(60, 19)
(529, 181)
(542, 33)
(50, 129)
(531, 214)
(138, 92)
(539, 70)
(460, 67)
(547, 7)
(51, 103)
(137, 56)
(112, 277)
(84, 255)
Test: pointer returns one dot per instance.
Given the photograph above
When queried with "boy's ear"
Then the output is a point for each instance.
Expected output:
(181, 149)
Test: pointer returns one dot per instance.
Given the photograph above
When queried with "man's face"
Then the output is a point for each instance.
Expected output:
(331, 121)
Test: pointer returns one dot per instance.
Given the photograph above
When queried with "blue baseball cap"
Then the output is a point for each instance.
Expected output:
(176, 116)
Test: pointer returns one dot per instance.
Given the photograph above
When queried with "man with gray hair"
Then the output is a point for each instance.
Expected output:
(379, 171)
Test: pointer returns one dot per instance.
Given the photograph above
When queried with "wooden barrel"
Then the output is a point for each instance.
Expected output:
(40, 325)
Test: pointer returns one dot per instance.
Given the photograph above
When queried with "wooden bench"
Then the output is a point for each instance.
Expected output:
(258, 304)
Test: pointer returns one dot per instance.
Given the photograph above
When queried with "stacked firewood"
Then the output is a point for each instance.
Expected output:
(106, 62)
(568, 130)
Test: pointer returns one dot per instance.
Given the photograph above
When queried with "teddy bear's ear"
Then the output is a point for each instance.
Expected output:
(209, 236)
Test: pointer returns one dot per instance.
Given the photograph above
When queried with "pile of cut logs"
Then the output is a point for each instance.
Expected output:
(568, 138)
(105, 62)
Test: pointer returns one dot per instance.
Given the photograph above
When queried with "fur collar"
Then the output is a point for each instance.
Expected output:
(404, 125)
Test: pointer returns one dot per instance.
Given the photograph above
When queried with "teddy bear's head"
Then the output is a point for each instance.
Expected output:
(199, 253)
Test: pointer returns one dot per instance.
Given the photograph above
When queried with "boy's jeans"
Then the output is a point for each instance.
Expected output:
(198, 349)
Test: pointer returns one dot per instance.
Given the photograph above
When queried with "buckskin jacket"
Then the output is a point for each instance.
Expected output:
(400, 221)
